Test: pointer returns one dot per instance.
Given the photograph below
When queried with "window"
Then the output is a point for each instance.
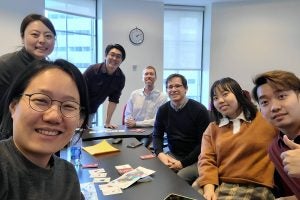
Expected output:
(76, 30)
(75, 25)
(183, 33)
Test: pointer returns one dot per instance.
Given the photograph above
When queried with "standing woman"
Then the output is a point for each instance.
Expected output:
(233, 163)
(42, 110)
(38, 38)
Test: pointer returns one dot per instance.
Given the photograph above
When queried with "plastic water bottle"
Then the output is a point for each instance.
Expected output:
(75, 150)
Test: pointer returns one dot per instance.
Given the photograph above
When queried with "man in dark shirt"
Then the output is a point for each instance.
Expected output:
(106, 80)
(278, 95)
(184, 121)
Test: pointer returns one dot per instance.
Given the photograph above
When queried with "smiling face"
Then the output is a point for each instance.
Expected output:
(40, 134)
(280, 107)
(176, 90)
(149, 77)
(226, 103)
(38, 40)
(113, 60)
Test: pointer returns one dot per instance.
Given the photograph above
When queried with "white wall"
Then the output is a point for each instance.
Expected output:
(119, 17)
(245, 38)
(12, 13)
(253, 36)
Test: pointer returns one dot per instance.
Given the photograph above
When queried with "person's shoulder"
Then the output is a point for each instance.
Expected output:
(136, 93)
(93, 70)
(197, 104)
(3, 147)
(212, 128)
(64, 165)
(192, 101)
(120, 73)
(274, 146)
(95, 66)
(165, 106)
(5, 144)
(8, 57)
(163, 96)
(160, 93)
(7, 153)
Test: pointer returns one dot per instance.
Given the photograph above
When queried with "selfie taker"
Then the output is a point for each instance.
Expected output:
(43, 107)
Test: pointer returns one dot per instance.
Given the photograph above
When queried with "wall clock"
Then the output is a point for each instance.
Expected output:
(136, 36)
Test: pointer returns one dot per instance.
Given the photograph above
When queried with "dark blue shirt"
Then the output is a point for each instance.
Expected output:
(102, 85)
(184, 129)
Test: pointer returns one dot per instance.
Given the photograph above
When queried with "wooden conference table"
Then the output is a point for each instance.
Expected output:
(121, 132)
(164, 182)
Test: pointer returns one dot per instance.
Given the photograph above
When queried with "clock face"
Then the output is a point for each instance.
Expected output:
(136, 36)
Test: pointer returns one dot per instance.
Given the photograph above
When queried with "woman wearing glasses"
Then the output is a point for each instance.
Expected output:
(43, 108)
(38, 39)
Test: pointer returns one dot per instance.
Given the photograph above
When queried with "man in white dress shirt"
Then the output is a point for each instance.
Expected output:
(143, 103)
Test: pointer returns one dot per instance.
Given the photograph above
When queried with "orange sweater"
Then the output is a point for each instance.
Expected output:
(237, 158)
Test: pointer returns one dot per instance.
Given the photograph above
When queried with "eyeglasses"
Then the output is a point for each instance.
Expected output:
(170, 87)
(114, 55)
(41, 102)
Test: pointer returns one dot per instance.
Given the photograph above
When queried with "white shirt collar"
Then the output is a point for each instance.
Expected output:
(180, 106)
(236, 122)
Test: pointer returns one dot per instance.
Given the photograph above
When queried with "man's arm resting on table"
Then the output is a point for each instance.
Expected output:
(110, 110)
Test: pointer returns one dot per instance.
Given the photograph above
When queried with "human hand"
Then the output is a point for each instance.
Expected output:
(130, 123)
(291, 158)
(209, 192)
(166, 159)
(111, 126)
(177, 165)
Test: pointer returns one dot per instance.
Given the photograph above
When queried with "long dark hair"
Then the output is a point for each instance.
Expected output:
(243, 99)
(21, 83)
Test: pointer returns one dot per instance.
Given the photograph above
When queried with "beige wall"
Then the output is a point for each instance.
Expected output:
(11, 14)
(250, 37)
(119, 17)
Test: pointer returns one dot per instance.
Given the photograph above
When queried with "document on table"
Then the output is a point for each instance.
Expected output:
(100, 148)
(108, 130)
(89, 191)
(131, 177)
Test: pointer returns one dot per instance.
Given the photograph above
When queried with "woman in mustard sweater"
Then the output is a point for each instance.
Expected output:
(234, 163)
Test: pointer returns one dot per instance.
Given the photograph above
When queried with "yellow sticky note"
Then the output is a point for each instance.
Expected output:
(100, 148)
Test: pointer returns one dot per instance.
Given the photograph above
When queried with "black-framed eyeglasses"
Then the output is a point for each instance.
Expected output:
(115, 55)
(177, 86)
(42, 102)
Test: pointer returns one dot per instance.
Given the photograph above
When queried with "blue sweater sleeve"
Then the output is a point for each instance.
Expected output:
(159, 129)
(202, 121)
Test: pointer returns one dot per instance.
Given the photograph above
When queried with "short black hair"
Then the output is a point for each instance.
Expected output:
(115, 46)
(183, 79)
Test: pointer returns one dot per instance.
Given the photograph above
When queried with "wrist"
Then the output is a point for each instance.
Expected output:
(160, 154)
